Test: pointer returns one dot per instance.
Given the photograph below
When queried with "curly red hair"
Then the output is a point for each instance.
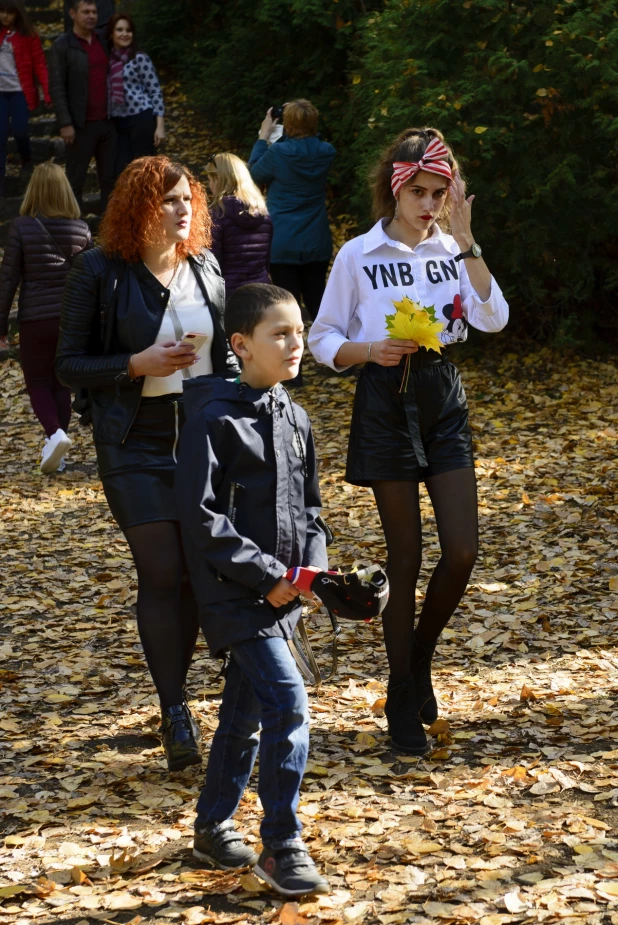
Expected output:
(132, 220)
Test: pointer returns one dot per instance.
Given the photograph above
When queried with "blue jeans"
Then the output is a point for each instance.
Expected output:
(263, 688)
(14, 114)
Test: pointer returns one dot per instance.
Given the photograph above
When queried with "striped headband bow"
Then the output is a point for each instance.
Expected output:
(432, 161)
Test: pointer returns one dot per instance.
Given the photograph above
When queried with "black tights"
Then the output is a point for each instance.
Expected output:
(167, 617)
(453, 496)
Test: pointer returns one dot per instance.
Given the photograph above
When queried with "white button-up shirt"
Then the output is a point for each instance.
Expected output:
(372, 271)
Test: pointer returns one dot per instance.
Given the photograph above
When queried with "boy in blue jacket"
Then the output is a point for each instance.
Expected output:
(249, 506)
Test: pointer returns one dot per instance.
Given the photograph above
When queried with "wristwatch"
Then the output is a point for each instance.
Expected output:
(475, 251)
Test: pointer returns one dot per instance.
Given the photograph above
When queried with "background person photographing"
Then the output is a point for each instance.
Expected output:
(295, 170)
(249, 502)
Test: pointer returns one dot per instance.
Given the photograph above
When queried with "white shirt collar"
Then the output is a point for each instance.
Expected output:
(376, 237)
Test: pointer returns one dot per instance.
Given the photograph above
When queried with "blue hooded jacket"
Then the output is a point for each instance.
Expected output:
(249, 505)
(296, 171)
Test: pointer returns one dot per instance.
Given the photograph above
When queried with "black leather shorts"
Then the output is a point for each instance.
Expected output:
(138, 475)
(409, 432)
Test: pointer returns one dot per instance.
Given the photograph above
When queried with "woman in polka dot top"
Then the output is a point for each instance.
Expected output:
(135, 101)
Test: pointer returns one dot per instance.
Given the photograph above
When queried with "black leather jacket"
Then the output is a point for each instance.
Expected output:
(112, 309)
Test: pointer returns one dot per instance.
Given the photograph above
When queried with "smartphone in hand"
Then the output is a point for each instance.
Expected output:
(192, 339)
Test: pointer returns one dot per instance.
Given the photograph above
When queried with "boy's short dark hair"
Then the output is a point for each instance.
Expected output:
(248, 304)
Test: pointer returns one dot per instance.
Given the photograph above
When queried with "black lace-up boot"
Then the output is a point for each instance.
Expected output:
(178, 737)
(404, 724)
(422, 654)
(197, 732)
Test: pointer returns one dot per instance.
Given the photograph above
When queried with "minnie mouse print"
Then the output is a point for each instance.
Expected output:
(456, 330)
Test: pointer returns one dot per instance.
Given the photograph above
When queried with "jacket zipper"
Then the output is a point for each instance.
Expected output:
(176, 431)
(231, 508)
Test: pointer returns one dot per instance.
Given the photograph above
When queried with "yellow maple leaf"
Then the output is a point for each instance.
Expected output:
(407, 306)
(418, 327)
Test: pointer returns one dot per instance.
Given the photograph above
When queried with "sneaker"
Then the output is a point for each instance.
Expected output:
(53, 451)
(222, 846)
(290, 870)
(62, 465)
(404, 723)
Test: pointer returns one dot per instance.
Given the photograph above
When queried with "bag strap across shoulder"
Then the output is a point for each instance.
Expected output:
(46, 231)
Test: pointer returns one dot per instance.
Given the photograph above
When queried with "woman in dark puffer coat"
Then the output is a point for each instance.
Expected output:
(37, 257)
(241, 227)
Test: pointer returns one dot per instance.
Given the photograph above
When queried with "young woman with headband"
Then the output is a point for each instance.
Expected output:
(410, 417)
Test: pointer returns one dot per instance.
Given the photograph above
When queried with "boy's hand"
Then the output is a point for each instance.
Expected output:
(283, 592)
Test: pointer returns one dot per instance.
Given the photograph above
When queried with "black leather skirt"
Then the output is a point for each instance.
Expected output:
(408, 425)
(138, 475)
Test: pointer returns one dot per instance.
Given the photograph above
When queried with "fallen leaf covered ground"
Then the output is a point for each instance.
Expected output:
(512, 817)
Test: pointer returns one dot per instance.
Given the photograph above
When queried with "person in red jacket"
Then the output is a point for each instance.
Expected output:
(22, 65)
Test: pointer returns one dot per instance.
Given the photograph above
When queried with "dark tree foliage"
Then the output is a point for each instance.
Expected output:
(526, 93)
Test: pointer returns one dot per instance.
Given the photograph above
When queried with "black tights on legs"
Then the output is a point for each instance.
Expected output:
(400, 514)
(167, 617)
(453, 496)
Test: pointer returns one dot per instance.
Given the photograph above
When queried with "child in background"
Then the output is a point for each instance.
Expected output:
(22, 64)
(242, 231)
(249, 503)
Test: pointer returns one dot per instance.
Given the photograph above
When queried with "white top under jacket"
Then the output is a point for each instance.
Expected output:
(372, 270)
(194, 316)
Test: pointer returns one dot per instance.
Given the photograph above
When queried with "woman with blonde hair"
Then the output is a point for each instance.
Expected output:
(41, 245)
(242, 230)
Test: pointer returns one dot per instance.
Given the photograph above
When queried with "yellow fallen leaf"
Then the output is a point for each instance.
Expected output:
(7, 891)
(608, 888)
(123, 900)
(613, 583)
(378, 705)
(289, 915)
(54, 697)
(251, 884)
(366, 739)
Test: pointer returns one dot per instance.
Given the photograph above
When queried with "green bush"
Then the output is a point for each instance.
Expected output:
(527, 94)
(240, 56)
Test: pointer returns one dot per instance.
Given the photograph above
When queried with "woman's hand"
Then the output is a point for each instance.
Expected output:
(461, 213)
(163, 359)
(389, 352)
(159, 134)
(267, 125)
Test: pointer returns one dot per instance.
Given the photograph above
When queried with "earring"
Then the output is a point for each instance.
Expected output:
(396, 215)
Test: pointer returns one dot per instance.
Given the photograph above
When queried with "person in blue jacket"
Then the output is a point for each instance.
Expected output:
(295, 169)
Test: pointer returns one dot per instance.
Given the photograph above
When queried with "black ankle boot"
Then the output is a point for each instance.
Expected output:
(197, 732)
(178, 737)
(422, 654)
(404, 723)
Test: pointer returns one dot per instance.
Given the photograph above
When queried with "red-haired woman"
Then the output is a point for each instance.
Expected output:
(127, 304)
(22, 65)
